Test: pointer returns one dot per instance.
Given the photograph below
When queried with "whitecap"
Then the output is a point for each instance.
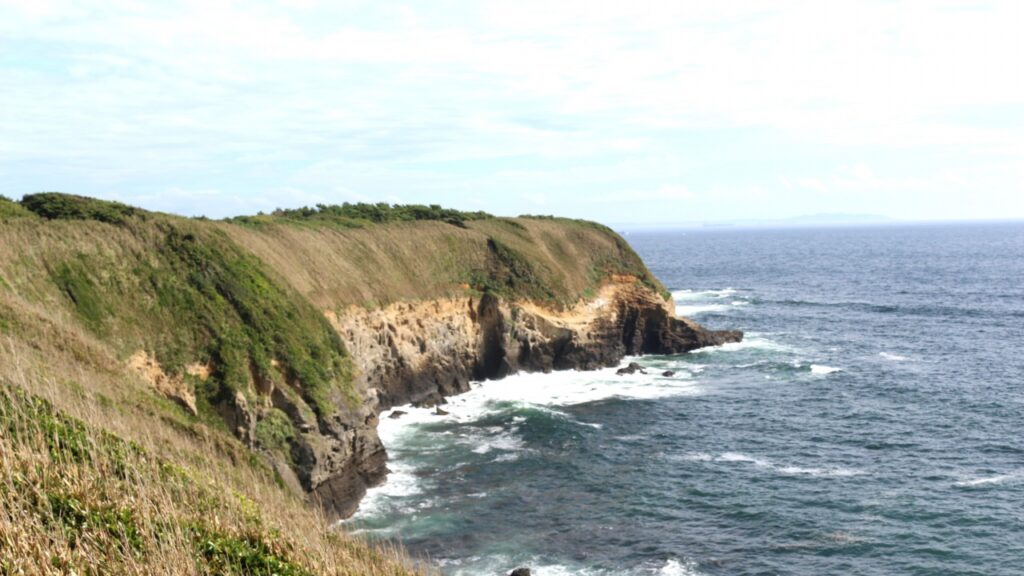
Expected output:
(543, 392)
(402, 482)
(674, 567)
(737, 457)
(819, 472)
(702, 294)
(893, 357)
(503, 442)
(1001, 478)
(749, 342)
(691, 303)
(836, 472)
(821, 370)
(700, 309)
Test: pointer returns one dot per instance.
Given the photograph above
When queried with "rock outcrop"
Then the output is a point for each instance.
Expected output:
(226, 318)
(421, 352)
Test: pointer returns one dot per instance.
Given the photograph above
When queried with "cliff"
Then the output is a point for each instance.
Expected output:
(285, 335)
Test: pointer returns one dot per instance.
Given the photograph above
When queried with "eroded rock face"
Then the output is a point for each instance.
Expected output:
(421, 352)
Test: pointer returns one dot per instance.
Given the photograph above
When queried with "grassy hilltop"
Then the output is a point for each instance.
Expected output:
(101, 470)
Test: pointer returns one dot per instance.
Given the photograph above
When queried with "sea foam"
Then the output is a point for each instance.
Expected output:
(821, 370)
(985, 480)
(674, 567)
(692, 303)
(544, 392)
(789, 470)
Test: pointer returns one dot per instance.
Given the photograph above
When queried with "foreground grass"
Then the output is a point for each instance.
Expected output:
(98, 484)
(102, 473)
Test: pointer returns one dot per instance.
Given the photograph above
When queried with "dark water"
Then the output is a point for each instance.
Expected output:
(870, 424)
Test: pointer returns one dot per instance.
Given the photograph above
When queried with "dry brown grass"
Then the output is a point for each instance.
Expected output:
(336, 267)
(101, 476)
(138, 486)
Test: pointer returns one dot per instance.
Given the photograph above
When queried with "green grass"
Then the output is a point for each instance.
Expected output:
(75, 518)
(57, 488)
(275, 431)
(245, 320)
(511, 275)
(10, 210)
(247, 555)
(186, 293)
(74, 280)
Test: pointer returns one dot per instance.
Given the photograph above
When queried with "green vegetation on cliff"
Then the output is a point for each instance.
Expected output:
(57, 206)
(9, 209)
(77, 499)
(183, 362)
(361, 214)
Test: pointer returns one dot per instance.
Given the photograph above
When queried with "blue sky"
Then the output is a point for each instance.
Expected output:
(623, 112)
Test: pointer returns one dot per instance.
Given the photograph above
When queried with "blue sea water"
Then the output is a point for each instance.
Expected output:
(871, 423)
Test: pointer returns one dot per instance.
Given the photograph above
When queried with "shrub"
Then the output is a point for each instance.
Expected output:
(355, 215)
(58, 206)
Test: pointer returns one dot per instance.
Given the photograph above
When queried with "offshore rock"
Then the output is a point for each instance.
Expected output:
(632, 368)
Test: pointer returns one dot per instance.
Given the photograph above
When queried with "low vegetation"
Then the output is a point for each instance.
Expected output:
(9, 210)
(361, 214)
(76, 499)
(101, 470)
(57, 206)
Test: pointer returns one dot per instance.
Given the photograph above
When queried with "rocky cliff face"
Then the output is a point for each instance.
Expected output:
(422, 352)
(227, 319)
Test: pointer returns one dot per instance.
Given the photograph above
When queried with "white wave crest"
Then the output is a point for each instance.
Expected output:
(1000, 479)
(835, 472)
(737, 457)
(674, 567)
(401, 482)
(692, 303)
(482, 444)
(750, 341)
(893, 357)
(702, 294)
(821, 370)
(545, 392)
(695, 309)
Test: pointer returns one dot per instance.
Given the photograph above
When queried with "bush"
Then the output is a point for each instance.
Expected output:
(354, 215)
(58, 206)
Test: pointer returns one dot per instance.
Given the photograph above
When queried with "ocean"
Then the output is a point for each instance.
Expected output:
(870, 423)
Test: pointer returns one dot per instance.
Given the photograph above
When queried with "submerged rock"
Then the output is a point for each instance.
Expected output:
(520, 572)
(668, 373)
(439, 412)
(396, 414)
(632, 368)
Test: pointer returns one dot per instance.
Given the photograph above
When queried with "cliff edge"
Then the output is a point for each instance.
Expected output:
(291, 332)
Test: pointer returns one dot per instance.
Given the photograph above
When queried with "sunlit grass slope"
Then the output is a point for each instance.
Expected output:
(102, 473)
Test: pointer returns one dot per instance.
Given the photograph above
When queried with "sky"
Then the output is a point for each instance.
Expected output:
(617, 111)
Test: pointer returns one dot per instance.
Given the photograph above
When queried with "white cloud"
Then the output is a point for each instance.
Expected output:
(662, 193)
(315, 95)
(857, 177)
